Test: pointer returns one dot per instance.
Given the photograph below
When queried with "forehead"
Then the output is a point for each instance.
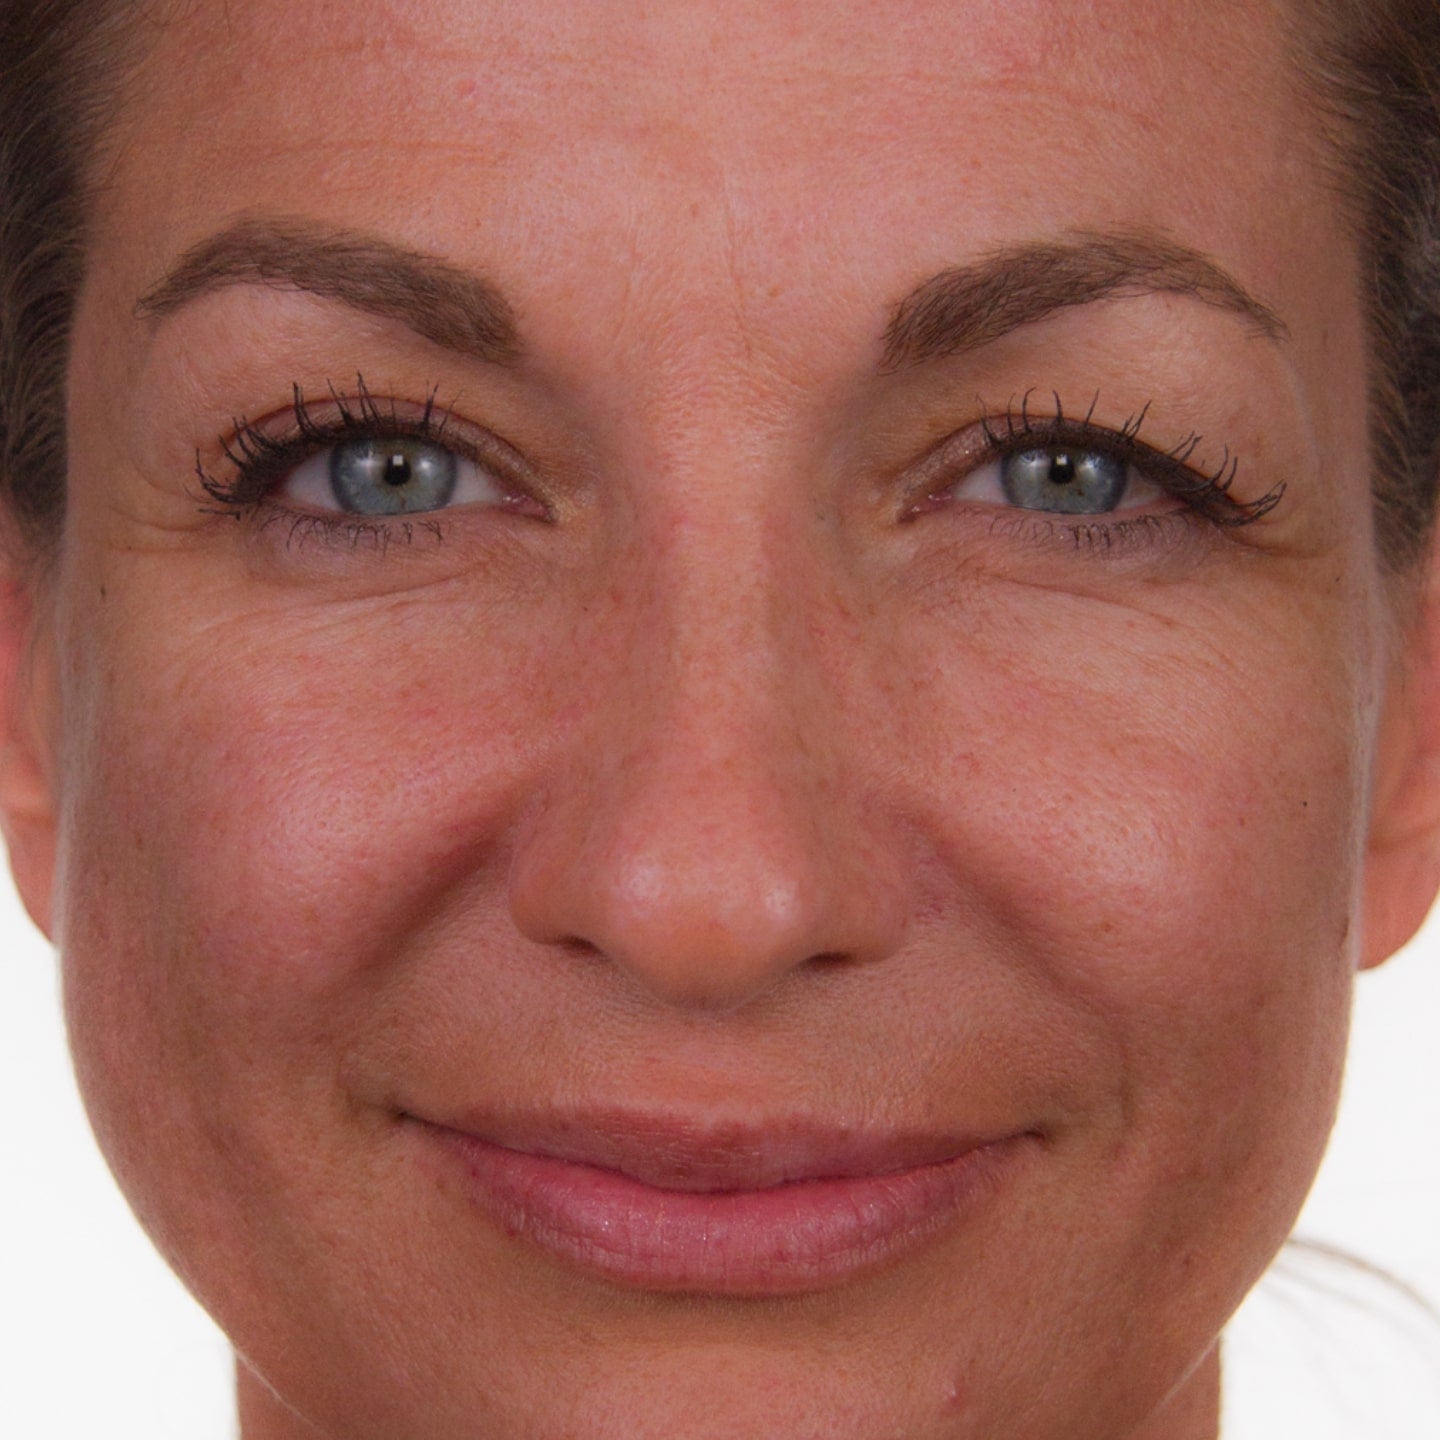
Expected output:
(779, 144)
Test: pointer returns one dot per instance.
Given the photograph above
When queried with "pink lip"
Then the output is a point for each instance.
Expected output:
(653, 1204)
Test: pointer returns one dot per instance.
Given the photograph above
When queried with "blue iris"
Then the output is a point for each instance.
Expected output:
(1071, 482)
(392, 477)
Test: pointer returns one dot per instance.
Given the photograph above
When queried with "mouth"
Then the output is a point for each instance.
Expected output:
(651, 1203)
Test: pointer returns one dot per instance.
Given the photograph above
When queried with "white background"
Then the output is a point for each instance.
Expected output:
(98, 1340)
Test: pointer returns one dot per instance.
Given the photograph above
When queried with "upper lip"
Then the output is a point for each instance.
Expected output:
(675, 1152)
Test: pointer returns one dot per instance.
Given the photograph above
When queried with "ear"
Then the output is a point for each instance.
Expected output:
(1402, 863)
(27, 802)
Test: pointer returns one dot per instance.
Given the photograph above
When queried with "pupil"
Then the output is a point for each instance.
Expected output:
(397, 469)
(1062, 469)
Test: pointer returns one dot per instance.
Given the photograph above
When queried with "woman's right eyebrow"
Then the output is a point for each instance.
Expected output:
(440, 301)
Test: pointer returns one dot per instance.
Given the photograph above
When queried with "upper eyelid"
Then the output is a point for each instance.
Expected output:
(260, 454)
(359, 416)
(1061, 433)
(257, 446)
(1014, 431)
(1059, 429)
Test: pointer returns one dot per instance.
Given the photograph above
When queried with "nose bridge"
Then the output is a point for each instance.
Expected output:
(717, 670)
(726, 590)
(719, 763)
(707, 676)
(702, 834)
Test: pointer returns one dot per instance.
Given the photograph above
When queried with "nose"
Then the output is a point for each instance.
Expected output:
(711, 829)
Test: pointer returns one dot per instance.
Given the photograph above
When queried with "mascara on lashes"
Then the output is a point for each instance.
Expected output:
(1209, 495)
(261, 461)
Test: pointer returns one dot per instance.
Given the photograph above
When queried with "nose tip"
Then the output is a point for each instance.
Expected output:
(705, 882)
(708, 931)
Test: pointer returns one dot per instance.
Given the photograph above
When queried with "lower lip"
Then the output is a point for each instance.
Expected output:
(786, 1239)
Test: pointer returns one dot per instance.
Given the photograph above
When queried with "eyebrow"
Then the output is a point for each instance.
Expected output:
(958, 310)
(973, 305)
(439, 301)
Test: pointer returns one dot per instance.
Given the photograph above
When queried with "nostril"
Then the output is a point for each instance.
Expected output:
(579, 947)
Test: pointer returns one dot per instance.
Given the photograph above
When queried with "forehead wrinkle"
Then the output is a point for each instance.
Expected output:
(970, 306)
(443, 303)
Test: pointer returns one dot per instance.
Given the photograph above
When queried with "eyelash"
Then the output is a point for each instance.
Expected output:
(260, 461)
(1207, 494)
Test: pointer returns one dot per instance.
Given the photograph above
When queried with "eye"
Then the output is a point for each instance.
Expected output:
(389, 476)
(358, 461)
(1060, 479)
(1055, 465)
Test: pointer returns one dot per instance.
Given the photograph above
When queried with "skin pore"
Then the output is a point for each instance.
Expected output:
(736, 753)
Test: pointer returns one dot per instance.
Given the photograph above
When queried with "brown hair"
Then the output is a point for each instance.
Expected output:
(1374, 67)
(1375, 71)
(59, 76)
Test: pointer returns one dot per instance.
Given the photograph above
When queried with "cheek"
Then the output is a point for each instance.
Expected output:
(1162, 839)
(261, 821)
(273, 798)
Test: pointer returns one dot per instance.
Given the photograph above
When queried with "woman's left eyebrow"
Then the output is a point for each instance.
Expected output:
(438, 300)
(972, 305)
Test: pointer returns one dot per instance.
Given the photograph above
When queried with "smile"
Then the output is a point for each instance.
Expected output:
(649, 1205)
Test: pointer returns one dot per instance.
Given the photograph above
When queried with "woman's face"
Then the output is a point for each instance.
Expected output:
(816, 894)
